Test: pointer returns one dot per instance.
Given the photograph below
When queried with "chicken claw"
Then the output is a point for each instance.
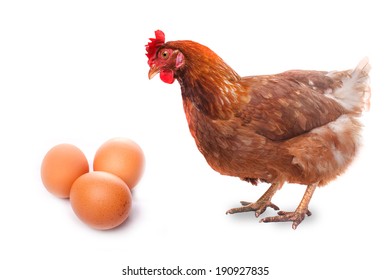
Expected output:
(259, 207)
(299, 215)
(296, 217)
(261, 204)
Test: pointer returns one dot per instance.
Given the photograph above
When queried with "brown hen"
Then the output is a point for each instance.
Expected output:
(297, 126)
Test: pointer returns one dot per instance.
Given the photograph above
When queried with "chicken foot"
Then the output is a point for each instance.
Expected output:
(299, 215)
(261, 204)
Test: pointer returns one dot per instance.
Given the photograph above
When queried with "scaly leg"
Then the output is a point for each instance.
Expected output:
(261, 204)
(299, 214)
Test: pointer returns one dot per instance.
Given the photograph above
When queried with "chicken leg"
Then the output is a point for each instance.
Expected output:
(261, 204)
(299, 214)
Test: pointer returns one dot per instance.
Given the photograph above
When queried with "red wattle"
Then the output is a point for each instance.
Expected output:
(167, 76)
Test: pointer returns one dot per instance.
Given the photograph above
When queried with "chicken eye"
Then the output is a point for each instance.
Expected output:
(165, 54)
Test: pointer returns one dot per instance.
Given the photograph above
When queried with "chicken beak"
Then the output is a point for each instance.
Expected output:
(154, 70)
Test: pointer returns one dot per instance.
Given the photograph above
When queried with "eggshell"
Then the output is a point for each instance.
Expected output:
(122, 157)
(61, 166)
(101, 200)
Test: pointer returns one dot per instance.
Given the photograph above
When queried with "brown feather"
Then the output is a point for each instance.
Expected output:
(282, 107)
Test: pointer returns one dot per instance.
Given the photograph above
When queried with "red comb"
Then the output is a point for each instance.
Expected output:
(154, 45)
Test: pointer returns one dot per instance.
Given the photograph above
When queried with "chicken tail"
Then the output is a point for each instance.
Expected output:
(354, 92)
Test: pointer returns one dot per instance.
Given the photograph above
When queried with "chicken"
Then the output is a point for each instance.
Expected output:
(298, 126)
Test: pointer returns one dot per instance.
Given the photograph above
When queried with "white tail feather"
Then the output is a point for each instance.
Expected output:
(354, 93)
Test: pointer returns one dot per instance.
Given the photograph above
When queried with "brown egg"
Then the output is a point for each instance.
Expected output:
(61, 166)
(101, 200)
(122, 157)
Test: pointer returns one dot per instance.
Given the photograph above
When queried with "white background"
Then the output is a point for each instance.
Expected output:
(75, 72)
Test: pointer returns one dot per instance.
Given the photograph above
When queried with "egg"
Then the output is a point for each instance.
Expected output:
(60, 167)
(122, 157)
(101, 200)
